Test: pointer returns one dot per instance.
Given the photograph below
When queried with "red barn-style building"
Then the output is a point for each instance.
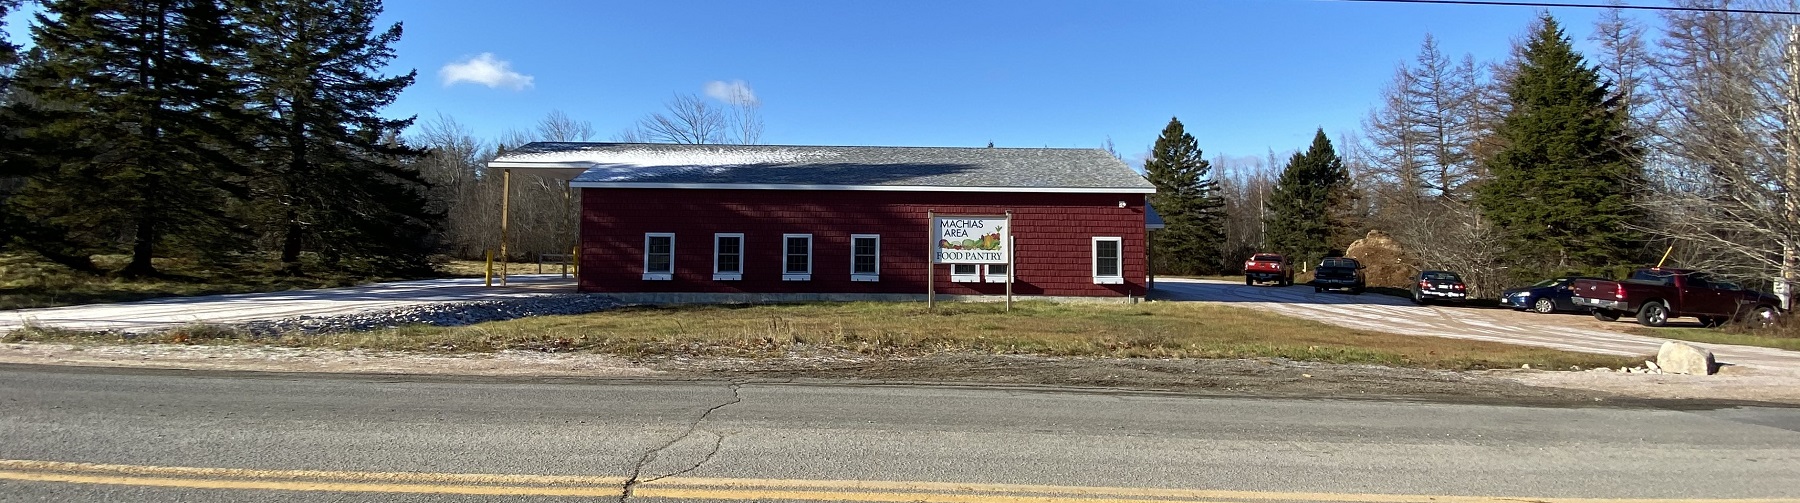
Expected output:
(663, 222)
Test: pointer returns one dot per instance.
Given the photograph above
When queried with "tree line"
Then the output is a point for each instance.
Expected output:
(231, 130)
(247, 134)
(1548, 162)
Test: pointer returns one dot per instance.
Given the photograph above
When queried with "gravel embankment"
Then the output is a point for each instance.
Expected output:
(439, 314)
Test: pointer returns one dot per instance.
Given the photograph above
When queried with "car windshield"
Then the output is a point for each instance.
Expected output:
(1266, 258)
(1548, 282)
(1440, 276)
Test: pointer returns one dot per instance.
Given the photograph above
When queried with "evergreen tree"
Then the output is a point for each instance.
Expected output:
(1561, 186)
(1308, 205)
(336, 179)
(1189, 201)
(124, 97)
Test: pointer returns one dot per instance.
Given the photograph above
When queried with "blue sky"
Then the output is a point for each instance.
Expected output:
(1245, 76)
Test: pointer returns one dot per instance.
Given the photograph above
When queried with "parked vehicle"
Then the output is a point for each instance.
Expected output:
(1657, 294)
(1335, 273)
(1439, 286)
(1263, 267)
(1547, 296)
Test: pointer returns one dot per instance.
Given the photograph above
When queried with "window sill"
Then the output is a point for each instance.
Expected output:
(996, 279)
(864, 277)
(658, 276)
(1102, 280)
(728, 277)
(796, 277)
(958, 278)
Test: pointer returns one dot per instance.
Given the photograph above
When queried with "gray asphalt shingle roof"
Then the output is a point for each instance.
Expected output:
(698, 166)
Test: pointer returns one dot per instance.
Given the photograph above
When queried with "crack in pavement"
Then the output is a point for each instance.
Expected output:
(650, 456)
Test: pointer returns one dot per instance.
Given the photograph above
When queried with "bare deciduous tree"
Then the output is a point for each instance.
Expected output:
(687, 119)
(1730, 123)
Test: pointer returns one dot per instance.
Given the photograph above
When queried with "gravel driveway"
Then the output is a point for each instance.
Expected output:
(174, 312)
(1573, 332)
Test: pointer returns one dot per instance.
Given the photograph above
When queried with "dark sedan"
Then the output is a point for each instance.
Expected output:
(1547, 296)
(1439, 286)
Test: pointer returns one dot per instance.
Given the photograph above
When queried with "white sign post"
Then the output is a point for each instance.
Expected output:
(963, 239)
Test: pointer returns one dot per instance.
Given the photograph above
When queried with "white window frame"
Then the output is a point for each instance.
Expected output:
(973, 276)
(663, 275)
(1094, 262)
(992, 277)
(787, 275)
(737, 275)
(865, 276)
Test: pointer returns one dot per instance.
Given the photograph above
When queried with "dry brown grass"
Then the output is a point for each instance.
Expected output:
(477, 268)
(1151, 330)
(28, 282)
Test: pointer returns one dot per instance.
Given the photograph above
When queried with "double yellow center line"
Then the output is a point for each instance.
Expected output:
(693, 488)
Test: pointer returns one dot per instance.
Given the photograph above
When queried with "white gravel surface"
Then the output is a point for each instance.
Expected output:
(438, 301)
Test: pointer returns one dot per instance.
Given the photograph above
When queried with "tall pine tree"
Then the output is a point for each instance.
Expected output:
(1307, 207)
(125, 95)
(1561, 187)
(334, 177)
(1189, 201)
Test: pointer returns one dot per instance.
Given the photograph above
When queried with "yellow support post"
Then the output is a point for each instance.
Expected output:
(575, 263)
(489, 277)
(1665, 258)
(505, 214)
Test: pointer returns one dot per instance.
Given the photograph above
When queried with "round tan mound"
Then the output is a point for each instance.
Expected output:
(1387, 264)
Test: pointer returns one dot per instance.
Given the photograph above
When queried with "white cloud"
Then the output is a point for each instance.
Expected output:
(486, 70)
(735, 92)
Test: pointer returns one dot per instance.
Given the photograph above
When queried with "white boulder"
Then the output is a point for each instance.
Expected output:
(1683, 358)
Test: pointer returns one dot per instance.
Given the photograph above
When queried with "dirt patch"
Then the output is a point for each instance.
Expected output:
(1731, 383)
(1262, 377)
(280, 359)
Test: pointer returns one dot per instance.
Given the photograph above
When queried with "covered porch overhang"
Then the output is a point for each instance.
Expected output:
(563, 172)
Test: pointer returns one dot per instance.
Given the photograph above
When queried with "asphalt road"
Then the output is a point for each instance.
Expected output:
(174, 312)
(89, 434)
(1382, 313)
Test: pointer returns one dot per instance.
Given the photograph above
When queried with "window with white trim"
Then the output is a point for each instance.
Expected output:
(1109, 261)
(796, 257)
(865, 257)
(659, 256)
(728, 256)
(996, 273)
(964, 273)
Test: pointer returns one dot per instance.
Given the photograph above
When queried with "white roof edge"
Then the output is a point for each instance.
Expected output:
(883, 188)
(539, 165)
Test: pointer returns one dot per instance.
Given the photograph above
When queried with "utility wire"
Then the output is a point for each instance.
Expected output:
(1590, 6)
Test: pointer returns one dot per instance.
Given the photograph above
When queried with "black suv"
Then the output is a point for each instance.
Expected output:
(1338, 273)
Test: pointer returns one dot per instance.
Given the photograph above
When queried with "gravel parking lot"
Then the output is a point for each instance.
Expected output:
(1573, 332)
(437, 301)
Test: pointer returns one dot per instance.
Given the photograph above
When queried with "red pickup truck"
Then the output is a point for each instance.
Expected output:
(1268, 267)
(1657, 294)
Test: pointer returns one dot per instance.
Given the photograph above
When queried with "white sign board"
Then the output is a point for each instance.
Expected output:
(970, 240)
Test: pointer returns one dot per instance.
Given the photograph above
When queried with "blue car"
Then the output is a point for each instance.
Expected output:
(1547, 296)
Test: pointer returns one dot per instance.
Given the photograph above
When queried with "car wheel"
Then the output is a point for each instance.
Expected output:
(1763, 317)
(1318, 289)
(1604, 315)
(1543, 306)
(1356, 290)
(1653, 314)
(1418, 299)
(1249, 282)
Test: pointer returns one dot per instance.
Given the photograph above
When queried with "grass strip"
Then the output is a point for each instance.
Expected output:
(1777, 338)
(1148, 330)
